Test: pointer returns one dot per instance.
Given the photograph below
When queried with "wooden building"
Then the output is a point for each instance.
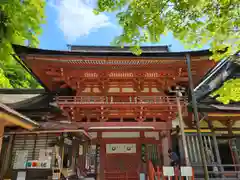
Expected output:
(123, 101)
(220, 123)
(9, 118)
(34, 154)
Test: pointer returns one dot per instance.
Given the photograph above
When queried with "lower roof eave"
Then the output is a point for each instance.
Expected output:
(15, 118)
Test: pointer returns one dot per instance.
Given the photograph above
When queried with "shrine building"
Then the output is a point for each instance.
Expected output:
(121, 105)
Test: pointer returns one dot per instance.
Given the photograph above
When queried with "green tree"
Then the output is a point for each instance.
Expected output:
(230, 91)
(194, 22)
(20, 23)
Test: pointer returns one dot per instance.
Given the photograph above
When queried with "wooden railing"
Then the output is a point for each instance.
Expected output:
(151, 171)
(162, 100)
(152, 174)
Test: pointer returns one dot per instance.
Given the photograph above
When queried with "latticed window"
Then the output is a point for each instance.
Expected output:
(32, 145)
(153, 154)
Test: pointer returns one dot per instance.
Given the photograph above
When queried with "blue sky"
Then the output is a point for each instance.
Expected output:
(72, 22)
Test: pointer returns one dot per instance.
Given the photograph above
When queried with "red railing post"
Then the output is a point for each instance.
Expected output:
(192, 174)
(159, 173)
(150, 171)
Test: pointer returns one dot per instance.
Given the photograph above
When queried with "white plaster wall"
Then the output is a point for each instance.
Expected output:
(120, 134)
(120, 148)
(152, 135)
(114, 90)
(127, 90)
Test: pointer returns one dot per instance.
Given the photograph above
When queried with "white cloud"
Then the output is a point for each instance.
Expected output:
(76, 18)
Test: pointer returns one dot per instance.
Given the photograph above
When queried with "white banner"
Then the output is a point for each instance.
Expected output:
(20, 159)
(45, 154)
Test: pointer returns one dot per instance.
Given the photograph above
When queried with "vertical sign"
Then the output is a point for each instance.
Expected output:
(80, 150)
(45, 154)
(20, 159)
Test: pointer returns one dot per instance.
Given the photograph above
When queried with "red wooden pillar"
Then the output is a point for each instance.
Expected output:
(166, 144)
(143, 166)
(169, 127)
(165, 148)
(160, 152)
(102, 154)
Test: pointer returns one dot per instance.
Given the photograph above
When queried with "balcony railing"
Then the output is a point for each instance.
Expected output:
(161, 100)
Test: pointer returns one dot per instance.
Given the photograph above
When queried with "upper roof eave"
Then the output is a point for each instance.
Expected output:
(21, 50)
(84, 48)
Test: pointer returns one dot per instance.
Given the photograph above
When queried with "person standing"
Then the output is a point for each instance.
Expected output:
(173, 157)
(175, 162)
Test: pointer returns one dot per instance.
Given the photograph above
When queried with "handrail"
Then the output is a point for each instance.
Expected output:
(152, 174)
(151, 171)
(159, 173)
(226, 173)
(118, 100)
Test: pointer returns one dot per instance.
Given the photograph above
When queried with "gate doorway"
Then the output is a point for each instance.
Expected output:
(122, 161)
(226, 153)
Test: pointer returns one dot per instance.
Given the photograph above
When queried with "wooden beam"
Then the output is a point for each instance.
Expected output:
(223, 118)
(224, 114)
(156, 125)
(78, 57)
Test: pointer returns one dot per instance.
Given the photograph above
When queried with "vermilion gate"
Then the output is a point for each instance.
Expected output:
(122, 159)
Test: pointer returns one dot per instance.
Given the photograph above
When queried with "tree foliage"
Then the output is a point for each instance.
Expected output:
(229, 92)
(20, 23)
(194, 22)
